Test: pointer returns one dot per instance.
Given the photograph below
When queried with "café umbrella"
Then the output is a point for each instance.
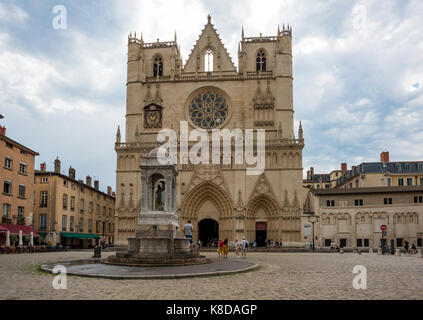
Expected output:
(7, 238)
(31, 239)
(20, 238)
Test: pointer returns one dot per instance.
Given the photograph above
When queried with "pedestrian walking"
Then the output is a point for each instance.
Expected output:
(188, 228)
(225, 249)
(237, 248)
(244, 245)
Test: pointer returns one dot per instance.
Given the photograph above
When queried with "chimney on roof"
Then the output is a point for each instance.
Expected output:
(2, 131)
(43, 166)
(344, 166)
(109, 190)
(311, 172)
(88, 181)
(72, 173)
(96, 184)
(384, 156)
(308, 175)
(57, 165)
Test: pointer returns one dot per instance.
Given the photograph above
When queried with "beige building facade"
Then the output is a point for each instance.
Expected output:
(352, 217)
(17, 181)
(209, 92)
(72, 212)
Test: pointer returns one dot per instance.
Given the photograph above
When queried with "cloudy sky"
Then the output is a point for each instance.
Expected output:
(358, 73)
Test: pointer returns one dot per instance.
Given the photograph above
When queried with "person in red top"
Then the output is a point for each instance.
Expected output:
(220, 249)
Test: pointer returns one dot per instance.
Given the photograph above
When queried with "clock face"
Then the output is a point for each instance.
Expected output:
(208, 109)
(153, 119)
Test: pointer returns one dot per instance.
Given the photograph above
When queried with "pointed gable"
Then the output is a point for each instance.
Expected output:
(209, 39)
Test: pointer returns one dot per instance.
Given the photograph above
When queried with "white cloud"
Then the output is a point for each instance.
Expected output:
(12, 14)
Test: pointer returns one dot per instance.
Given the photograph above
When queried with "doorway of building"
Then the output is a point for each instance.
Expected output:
(208, 230)
(261, 233)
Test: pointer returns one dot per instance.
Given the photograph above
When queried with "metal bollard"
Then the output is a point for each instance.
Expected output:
(397, 252)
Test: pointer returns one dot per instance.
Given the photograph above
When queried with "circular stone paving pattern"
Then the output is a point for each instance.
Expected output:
(93, 268)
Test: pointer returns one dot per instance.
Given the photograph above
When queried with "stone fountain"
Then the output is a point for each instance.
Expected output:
(156, 242)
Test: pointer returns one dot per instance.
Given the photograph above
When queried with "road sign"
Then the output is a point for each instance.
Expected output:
(383, 227)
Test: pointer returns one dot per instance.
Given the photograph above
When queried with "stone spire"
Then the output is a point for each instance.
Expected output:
(300, 132)
(118, 135)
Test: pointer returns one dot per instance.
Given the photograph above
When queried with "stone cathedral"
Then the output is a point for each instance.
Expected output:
(209, 92)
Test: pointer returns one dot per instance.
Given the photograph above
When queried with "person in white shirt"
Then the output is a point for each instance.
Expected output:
(237, 248)
(188, 228)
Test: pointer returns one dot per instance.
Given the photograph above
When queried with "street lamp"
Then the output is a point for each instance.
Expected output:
(313, 219)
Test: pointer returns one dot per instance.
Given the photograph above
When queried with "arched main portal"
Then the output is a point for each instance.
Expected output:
(208, 201)
(262, 220)
(208, 231)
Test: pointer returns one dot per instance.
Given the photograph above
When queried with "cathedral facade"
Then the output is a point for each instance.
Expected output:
(210, 92)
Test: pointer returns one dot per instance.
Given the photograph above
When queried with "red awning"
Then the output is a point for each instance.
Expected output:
(14, 229)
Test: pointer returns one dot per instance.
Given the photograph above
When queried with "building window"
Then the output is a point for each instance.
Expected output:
(400, 181)
(418, 199)
(73, 186)
(389, 182)
(387, 201)
(359, 242)
(398, 167)
(64, 220)
(110, 213)
(407, 167)
(358, 202)
(72, 203)
(356, 183)
(6, 211)
(343, 243)
(421, 181)
(22, 168)
(21, 214)
(366, 243)
(327, 186)
(158, 67)
(261, 61)
(90, 207)
(8, 163)
(104, 211)
(409, 181)
(208, 61)
(97, 209)
(44, 199)
(44, 179)
(419, 242)
(7, 187)
(65, 183)
(81, 225)
(43, 221)
(81, 209)
(71, 223)
(21, 191)
(399, 242)
(330, 203)
(65, 201)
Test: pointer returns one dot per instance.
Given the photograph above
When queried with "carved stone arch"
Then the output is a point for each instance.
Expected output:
(120, 163)
(266, 56)
(291, 160)
(208, 191)
(263, 201)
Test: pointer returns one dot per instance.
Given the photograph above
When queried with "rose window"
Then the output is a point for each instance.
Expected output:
(208, 110)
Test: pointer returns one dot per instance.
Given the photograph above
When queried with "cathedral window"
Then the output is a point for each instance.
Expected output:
(158, 67)
(208, 109)
(208, 60)
(261, 61)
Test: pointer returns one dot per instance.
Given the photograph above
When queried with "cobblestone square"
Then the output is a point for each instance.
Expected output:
(282, 276)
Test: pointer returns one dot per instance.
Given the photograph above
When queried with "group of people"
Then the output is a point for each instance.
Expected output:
(223, 246)
(412, 250)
